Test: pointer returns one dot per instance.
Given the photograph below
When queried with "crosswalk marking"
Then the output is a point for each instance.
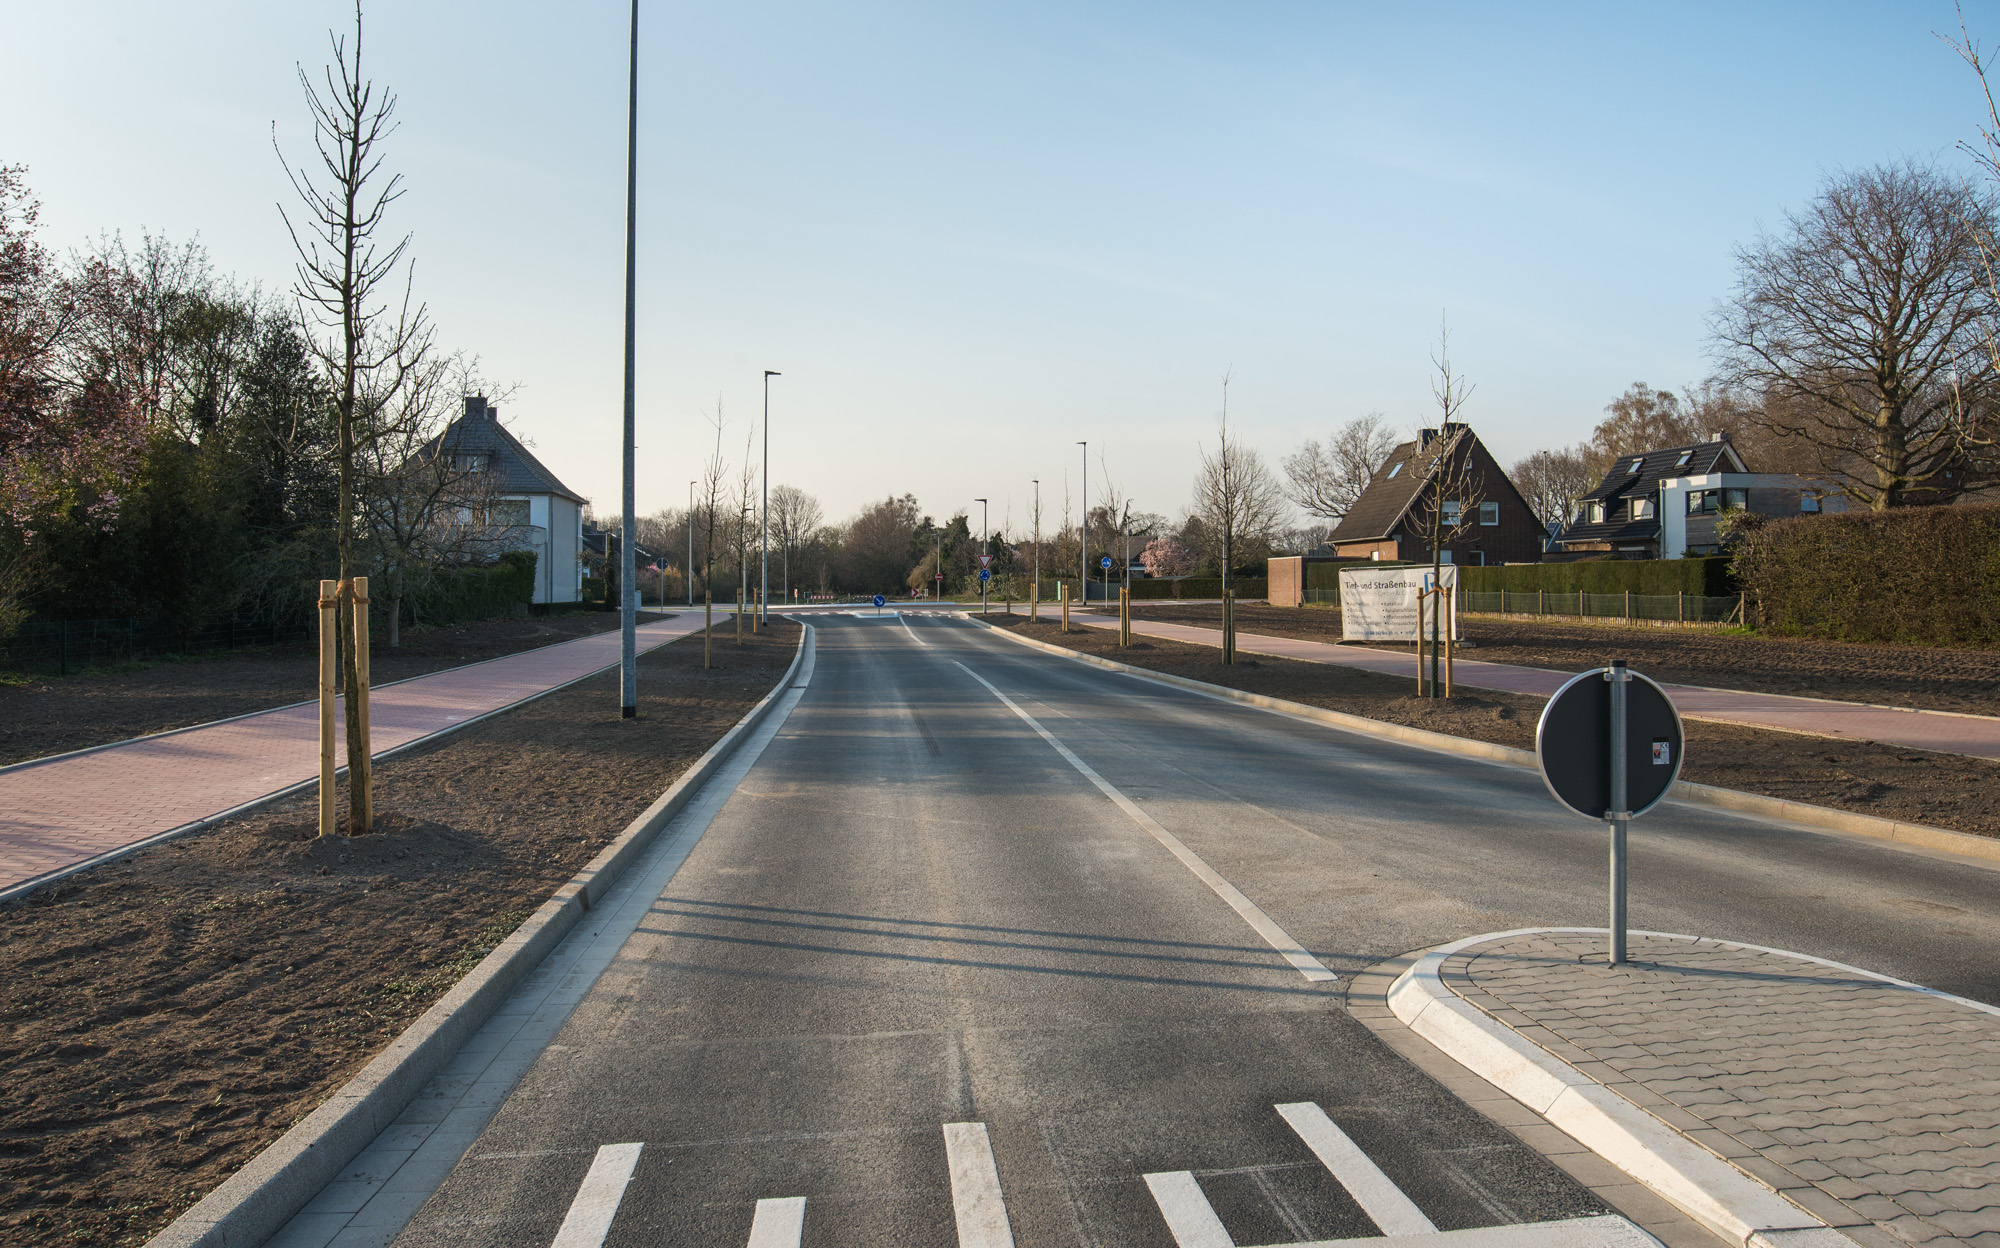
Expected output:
(780, 1223)
(1189, 1216)
(1378, 1197)
(975, 1188)
(597, 1199)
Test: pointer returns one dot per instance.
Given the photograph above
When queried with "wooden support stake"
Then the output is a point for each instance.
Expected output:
(1124, 617)
(1062, 594)
(1035, 603)
(360, 771)
(1445, 597)
(1229, 626)
(329, 648)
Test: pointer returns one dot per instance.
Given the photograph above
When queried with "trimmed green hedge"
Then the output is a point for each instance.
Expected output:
(1144, 589)
(1916, 576)
(1709, 577)
(456, 594)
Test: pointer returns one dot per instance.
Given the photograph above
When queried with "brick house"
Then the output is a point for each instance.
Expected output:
(1669, 503)
(1388, 521)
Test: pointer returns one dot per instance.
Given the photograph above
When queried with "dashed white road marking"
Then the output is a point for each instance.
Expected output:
(1263, 924)
(779, 1223)
(596, 1203)
(1378, 1197)
(1189, 1215)
(975, 1188)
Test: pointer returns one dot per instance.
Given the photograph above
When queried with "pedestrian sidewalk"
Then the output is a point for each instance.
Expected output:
(1869, 1103)
(60, 812)
(1943, 731)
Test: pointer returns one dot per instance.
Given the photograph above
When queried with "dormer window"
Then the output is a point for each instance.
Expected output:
(1595, 512)
(1642, 508)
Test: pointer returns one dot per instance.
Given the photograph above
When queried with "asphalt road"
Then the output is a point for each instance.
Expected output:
(918, 911)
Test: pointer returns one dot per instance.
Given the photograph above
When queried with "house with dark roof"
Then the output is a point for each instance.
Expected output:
(1390, 521)
(536, 511)
(1668, 503)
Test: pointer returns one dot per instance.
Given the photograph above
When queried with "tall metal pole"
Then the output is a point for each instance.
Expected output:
(764, 542)
(628, 528)
(1620, 815)
(983, 582)
(690, 568)
(1038, 536)
(1083, 534)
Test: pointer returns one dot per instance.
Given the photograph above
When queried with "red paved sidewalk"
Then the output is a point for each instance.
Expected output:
(1975, 735)
(66, 810)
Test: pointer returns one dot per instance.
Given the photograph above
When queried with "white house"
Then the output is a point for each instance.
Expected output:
(546, 514)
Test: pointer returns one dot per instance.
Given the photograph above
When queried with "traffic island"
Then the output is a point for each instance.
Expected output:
(1774, 1097)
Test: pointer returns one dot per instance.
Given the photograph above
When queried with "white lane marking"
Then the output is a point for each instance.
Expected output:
(779, 1223)
(1264, 925)
(596, 1202)
(913, 634)
(1377, 1195)
(1189, 1215)
(975, 1187)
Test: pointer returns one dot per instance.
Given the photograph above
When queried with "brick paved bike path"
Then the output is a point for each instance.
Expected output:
(67, 810)
(1873, 1103)
(1974, 735)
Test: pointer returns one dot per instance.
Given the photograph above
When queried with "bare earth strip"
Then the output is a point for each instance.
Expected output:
(164, 1017)
(1941, 790)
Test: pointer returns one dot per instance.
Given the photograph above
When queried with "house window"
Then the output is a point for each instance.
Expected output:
(1736, 500)
(1708, 502)
(1393, 471)
(1451, 514)
(1637, 464)
(471, 461)
(1596, 513)
(1682, 462)
(1808, 503)
(510, 511)
(1642, 508)
(1489, 513)
(1444, 556)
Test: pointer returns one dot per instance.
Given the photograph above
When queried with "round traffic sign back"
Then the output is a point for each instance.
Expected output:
(1573, 744)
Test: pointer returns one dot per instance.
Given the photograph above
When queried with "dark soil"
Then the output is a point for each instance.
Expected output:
(1942, 790)
(166, 1016)
(49, 715)
(1936, 679)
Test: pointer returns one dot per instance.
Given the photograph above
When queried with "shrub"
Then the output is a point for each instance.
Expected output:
(478, 593)
(1710, 577)
(1920, 576)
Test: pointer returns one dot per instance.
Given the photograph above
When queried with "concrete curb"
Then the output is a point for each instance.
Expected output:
(254, 1203)
(1873, 827)
(16, 891)
(1702, 1185)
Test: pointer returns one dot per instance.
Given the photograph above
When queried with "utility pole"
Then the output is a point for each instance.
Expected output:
(690, 575)
(628, 526)
(1083, 531)
(1038, 536)
(982, 550)
(764, 541)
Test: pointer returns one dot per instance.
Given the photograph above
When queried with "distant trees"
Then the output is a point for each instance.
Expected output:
(1164, 556)
(1864, 325)
(1642, 419)
(1236, 497)
(875, 551)
(795, 517)
(1327, 478)
(1554, 481)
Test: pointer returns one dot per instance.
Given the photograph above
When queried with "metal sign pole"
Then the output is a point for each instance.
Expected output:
(1619, 815)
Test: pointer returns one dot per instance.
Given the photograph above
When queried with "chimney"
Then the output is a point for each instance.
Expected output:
(475, 406)
(1720, 435)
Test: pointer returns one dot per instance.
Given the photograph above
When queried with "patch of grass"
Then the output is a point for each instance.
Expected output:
(438, 980)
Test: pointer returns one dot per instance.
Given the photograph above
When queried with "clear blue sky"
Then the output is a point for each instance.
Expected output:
(972, 235)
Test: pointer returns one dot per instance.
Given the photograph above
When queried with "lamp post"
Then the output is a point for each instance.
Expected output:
(1083, 530)
(1038, 537)
(764, 540)
(690, 567)
(628, 526)
(982, 550)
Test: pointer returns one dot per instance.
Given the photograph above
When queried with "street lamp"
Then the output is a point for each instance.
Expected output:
(764, 541)
(628, 528)
(982, 551)
(1083, 531)
(690, 567)
(1038, 536)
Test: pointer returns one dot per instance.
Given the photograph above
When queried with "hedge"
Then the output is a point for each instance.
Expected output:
(1918, 576)
(456, 594)
(1186, 587)
(1710, 577)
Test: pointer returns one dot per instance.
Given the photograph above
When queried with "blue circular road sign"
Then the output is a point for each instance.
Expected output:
(1104, 562)
(880, 601)
(985, 574)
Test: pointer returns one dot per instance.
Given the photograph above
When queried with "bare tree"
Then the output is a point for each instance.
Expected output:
(1643, 419)
(1447, 505)
(1865, 326)
(372, 342)
(714, 479)
(1327, 478)
(795, 517)
(1553, 481)
(1235, 494)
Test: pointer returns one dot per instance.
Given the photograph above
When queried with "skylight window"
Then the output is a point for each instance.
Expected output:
(1682, 462)
(1636, 464)
(1392, 472)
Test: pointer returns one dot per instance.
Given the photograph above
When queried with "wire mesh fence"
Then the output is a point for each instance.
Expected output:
(60, 647)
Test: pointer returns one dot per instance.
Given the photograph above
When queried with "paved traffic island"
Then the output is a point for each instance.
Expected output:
(1866, 1104)
(1888, 782)
(169, 1014)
